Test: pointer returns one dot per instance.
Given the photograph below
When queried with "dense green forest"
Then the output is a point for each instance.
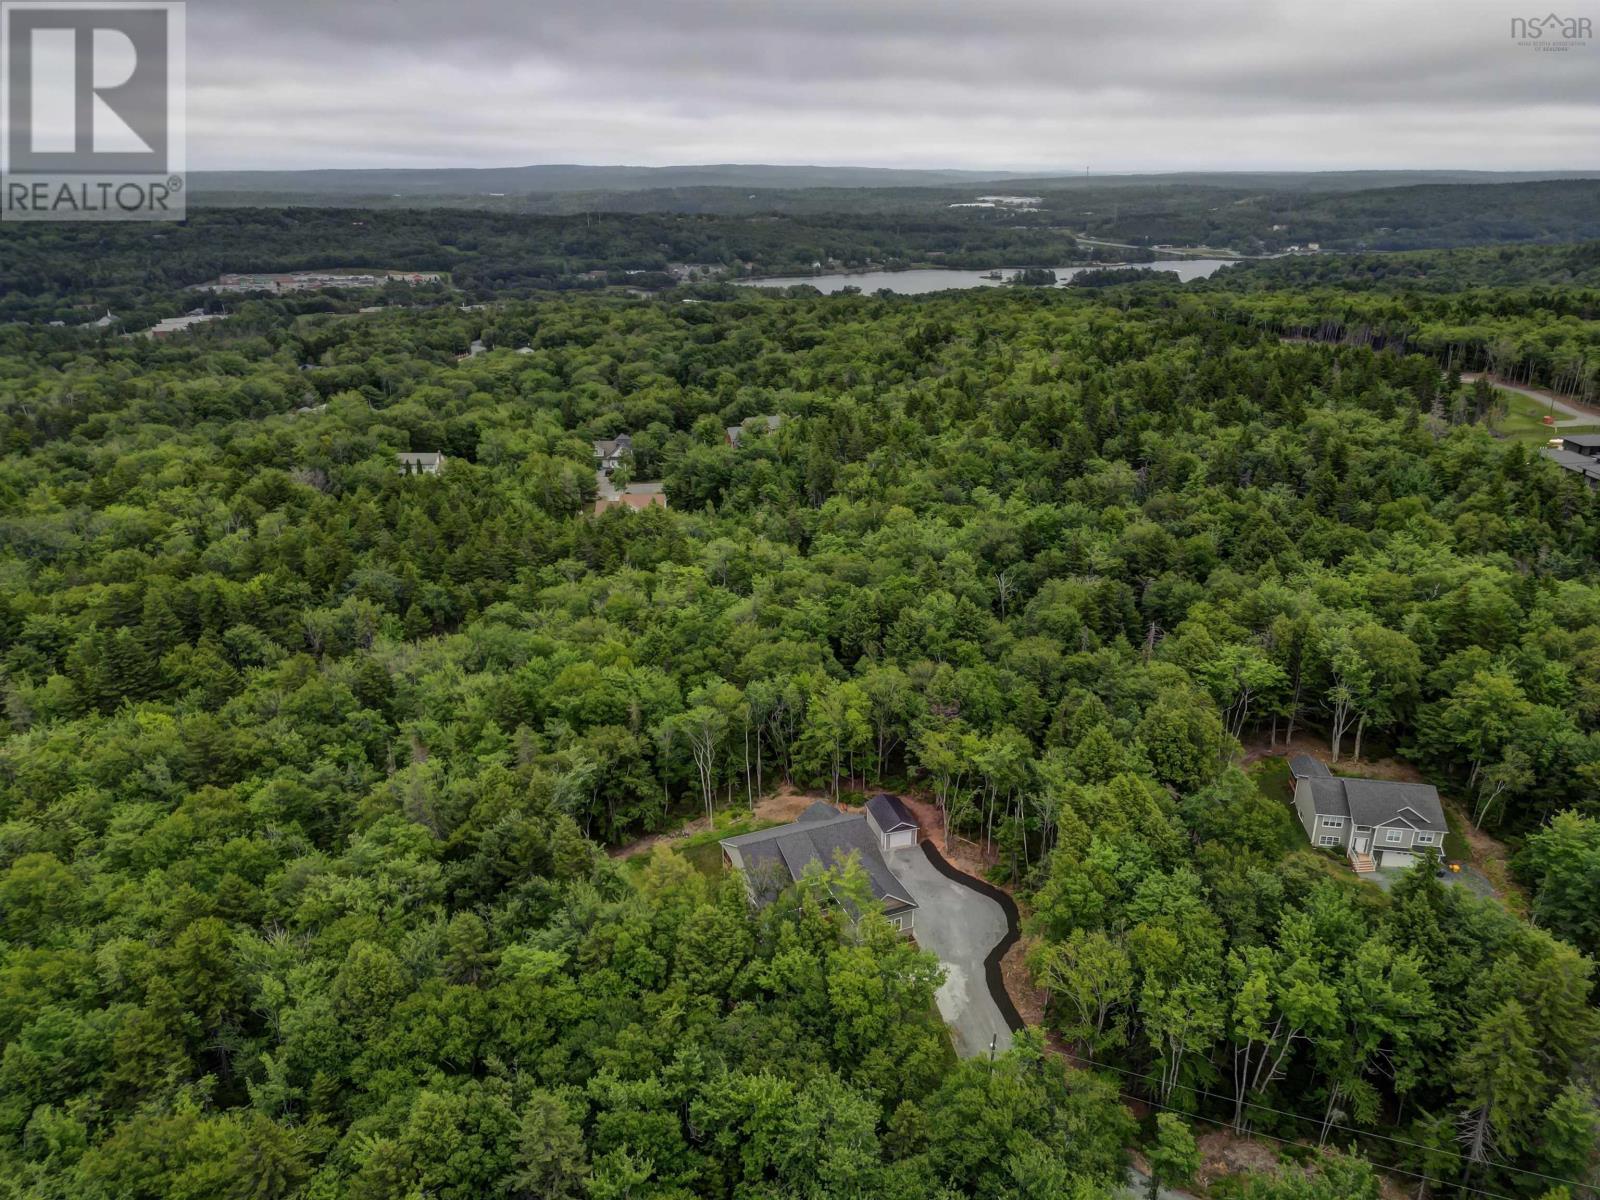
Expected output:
(1425, 270)
(1549, 337)
(308, 765)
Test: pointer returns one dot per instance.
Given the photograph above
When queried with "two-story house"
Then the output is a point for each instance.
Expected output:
(608, 452)
(1377, 822)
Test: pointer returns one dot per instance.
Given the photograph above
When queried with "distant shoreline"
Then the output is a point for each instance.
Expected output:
(1115, 264)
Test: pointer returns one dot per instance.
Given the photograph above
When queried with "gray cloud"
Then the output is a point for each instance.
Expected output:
(1028, 84)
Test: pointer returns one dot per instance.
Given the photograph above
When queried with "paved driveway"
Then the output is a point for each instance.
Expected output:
(960, 925)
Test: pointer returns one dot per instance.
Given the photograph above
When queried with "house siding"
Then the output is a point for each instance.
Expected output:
(1407, 841)
(1311, 820)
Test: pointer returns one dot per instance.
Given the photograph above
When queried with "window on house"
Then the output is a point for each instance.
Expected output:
(1424, 839)
(1333, 822)
(1394, 835)
(895, 921)
(1327, 839)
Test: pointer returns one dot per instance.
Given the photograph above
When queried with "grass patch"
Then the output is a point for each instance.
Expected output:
(1524, 419)
(703, 849)
(1455, 841)
(1272, 780)
(705, 858)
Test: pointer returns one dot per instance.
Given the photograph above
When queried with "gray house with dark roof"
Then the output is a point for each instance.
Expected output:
(772, 859)
(1578, 453)
(1378, 823)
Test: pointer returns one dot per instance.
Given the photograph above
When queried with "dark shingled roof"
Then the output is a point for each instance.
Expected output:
(1303, 766)
(820, 811)
(890, 812)
(774, 858)
(1375, 802)
(1588, 440)
(1571, 460)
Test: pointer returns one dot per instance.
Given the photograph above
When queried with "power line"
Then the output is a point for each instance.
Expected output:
(1346, 1128)
(1285, 1141)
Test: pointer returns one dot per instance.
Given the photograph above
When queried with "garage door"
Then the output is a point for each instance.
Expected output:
(1398, 858)
(901, 839)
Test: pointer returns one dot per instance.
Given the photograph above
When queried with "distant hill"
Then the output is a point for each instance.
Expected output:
(1247, 212)
(1294, 181)
(569, 177)
(561, 182)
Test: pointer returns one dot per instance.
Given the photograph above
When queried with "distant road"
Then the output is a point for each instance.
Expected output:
(1576, 416)
(1198, 251)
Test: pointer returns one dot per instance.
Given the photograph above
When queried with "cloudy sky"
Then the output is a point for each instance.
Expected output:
(1003, 84)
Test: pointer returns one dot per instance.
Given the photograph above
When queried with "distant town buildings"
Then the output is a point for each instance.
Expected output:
(164, 329)
(1019, 203)
(685, 272)
(311, 281)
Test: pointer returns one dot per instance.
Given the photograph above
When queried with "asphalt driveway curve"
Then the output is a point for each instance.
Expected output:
(968, 925)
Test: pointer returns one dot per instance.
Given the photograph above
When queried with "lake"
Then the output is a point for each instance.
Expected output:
(939, 280)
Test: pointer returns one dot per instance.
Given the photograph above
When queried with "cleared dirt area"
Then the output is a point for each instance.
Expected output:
(1306, 743)
(1224, 1153)
(776, 808)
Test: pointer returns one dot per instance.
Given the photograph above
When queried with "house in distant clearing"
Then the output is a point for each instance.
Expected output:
(1578, 453)
(424, 462)
(766, 424)
(772, 859)
(608, 452)
(1377, 822)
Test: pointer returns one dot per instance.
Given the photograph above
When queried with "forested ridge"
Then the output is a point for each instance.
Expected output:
(1426, 270)
(74, 272)
(1249, 212)
(309, 765)
(1535, 333)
